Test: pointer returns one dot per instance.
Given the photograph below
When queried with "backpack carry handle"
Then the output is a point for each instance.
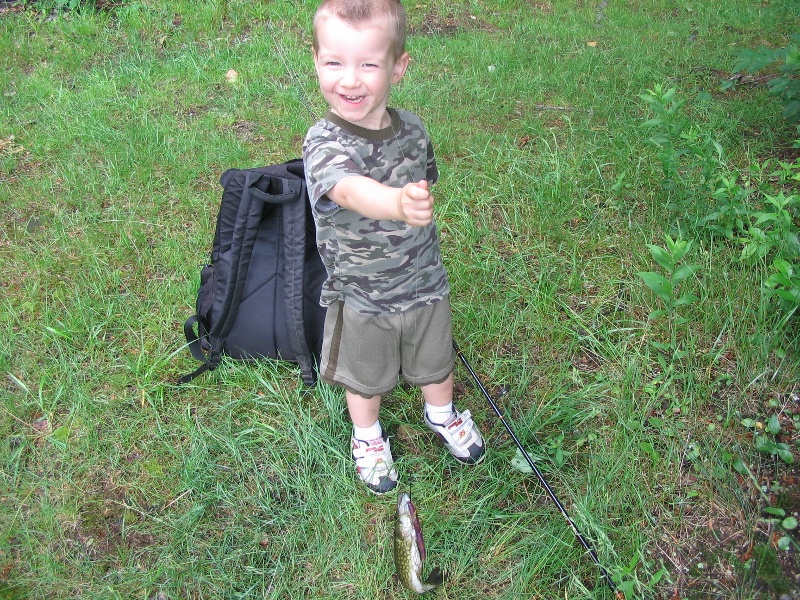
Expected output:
(278, 190)
(290, 190)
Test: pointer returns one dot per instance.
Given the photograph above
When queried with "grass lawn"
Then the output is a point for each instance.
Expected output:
(665, 416)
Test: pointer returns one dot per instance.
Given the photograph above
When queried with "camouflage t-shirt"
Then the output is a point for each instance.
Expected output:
(375, 266)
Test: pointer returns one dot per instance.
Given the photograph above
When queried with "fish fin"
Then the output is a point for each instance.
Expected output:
(436, 577)
(417, 530)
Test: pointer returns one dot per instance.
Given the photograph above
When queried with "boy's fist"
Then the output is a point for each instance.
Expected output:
(416, 204)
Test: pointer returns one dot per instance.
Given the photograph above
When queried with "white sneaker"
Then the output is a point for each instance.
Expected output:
(460, 436)
(375, 465)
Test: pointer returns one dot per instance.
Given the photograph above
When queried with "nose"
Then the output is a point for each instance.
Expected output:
(349, 78)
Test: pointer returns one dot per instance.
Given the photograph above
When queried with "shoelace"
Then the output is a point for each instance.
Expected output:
(461, 425)
(371, 457)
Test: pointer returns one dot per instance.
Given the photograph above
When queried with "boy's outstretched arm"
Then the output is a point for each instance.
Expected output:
(413, 203)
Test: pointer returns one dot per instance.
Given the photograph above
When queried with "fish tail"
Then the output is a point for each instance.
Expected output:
(435, 578)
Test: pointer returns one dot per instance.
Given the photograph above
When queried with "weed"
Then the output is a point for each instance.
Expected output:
(667, 287)
(711, 200)
(764, 438)
(766, 432)
(785, 524)
(690, 158)
(784, 283)
(58, 5)
(772, 230)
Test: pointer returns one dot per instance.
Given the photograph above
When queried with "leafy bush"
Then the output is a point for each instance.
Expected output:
(752, 211)
(787, 84)
(49, 5)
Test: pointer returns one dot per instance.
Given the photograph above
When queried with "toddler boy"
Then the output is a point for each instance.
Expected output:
(369, 169)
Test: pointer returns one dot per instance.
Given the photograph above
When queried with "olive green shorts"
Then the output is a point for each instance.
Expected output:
(365, 354)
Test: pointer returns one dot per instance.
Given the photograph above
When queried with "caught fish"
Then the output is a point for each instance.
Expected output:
(409, 548)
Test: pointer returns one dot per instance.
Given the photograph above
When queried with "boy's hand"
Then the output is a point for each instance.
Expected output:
(416, 204)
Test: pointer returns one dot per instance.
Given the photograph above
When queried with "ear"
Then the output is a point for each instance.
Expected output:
(400, 66)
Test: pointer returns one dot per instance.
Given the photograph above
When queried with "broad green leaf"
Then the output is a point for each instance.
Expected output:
(751, 60)
(658, 576)
(785, 454)
(777, 279)
(660, 140)
(659, 284)
(789, 523)
(686, 299)
(662, 257)
(59, 436)
(520, 464)
(684, 271)
(778, 85)
(791, 111)
(774, 425)
(762, 217)
(679, 250)
(792, 295)
(764, 445)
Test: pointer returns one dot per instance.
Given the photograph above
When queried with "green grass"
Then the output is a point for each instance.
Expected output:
(116, 484)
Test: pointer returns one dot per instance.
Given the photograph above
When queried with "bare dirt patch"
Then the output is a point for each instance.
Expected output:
(435, 23)
(727, 545)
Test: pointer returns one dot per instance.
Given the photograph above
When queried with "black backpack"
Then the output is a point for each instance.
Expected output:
(259, 296)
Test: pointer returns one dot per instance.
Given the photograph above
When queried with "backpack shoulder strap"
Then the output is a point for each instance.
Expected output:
(294, 237)
(248, 218)
(240, 236)
(193, 342)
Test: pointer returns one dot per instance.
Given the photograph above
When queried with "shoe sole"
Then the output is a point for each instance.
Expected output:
(463, 461)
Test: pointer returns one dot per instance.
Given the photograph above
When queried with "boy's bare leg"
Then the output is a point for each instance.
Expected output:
(363, 411)
(439, 394)
(372, 453)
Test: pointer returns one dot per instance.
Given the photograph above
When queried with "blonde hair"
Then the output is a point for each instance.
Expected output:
(389, 14)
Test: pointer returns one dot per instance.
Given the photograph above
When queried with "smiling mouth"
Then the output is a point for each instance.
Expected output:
(352, 99)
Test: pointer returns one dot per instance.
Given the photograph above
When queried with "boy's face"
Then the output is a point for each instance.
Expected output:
(356, 70)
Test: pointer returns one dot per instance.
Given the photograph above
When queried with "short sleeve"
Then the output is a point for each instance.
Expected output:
(326, 163)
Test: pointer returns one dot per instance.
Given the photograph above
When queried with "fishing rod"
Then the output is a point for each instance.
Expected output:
(584, 542)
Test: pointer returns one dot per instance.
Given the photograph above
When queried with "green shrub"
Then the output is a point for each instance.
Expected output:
(50, 5)
(787, 84)
(749, 210)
